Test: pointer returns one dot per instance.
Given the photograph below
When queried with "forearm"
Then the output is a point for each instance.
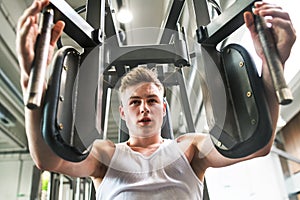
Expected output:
(284, 35)
(273, 104)
(41, 153)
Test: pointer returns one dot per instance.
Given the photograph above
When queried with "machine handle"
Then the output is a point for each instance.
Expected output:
(283, 93)
(39, 65)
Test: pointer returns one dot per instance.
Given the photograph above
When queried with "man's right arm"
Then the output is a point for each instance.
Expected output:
(41, 153)
(27, 31)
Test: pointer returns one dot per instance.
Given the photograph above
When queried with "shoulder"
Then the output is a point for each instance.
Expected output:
(103, 150)
(194, 144)
(100, 156)
(200, 148)
(104, 144)
(194, 139)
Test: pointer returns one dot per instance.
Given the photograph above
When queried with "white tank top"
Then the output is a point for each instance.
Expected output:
(165, 174)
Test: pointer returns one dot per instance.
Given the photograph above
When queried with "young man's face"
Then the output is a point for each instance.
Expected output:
(143, 109)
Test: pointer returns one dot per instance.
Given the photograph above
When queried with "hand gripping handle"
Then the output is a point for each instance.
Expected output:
(38, 69)
(283, 93)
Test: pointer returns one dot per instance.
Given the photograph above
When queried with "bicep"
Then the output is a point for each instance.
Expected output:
(85, 168)
(208, 156)
(94, 165)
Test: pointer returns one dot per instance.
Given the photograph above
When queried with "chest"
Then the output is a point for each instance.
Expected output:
(146, 152)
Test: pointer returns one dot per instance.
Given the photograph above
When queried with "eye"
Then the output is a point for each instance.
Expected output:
(134, 102)
(152, 101)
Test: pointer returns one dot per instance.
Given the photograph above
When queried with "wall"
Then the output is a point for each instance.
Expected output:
(291, 135)
(256, 179)
(15, 172)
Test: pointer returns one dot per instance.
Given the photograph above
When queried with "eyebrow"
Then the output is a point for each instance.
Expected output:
(148, 96)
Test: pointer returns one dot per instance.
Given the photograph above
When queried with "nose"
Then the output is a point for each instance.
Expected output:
(144, 107)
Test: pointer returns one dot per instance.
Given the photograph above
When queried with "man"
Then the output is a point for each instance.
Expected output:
(146, 166)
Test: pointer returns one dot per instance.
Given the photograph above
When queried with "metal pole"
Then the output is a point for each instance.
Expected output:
(285, 154)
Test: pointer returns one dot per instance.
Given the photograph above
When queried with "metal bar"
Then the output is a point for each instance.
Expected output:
(74, 24)
(285, 154)
(106, 116)
(172, 20)
(35, 183)
(93, 13)
(95, 16)
(201, 12)
(38, 69)
(185, 102)
(283, 93)
(61, 187)
(110, 27)
(225, 24)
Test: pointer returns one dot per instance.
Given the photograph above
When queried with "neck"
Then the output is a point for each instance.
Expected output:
(144, 142)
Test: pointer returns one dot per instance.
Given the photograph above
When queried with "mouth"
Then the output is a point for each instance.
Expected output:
(145, 119)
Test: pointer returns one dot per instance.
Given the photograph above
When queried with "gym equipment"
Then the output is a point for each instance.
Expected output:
(38, 70)
(240, 130)
(245, 125)
(283, 93)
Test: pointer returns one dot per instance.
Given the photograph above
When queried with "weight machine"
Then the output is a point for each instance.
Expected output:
(239, 122)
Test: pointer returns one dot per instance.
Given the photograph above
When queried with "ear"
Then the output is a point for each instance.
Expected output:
(122, 114)
(165, 108)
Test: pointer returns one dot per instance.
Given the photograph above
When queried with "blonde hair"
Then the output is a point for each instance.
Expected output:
(139, 75)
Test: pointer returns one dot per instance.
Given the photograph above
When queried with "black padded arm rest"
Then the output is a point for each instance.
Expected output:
(57, 122)
(247, 126)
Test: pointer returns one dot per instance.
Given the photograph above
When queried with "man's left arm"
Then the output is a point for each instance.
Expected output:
(285, 36)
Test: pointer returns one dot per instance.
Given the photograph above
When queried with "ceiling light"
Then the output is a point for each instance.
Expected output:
(124, 16)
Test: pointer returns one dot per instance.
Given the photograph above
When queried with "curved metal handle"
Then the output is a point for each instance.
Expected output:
(283, 93)
(38, 69)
